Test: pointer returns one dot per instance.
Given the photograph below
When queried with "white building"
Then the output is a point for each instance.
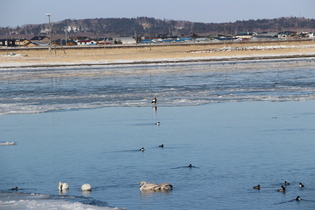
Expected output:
(121, 40)
(86, 42)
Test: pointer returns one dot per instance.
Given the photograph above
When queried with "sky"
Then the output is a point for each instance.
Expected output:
(20, 12)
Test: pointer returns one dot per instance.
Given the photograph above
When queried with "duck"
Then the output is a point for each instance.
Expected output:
(145, 186)
(190, 166)
(162, 145)
(301, 185)
(157, 123)
(63, 186)
(286, 183)
(282, 189)
(257, 187)
(298, 198)
(142, 149)
(86, 187)
(163, 186)
(15, 188)
(154, 100)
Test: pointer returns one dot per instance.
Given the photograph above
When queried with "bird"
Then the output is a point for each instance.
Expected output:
(190, 166)
(298, 198)
(86, 187)
(257, 187)
(163, 186)
(286, 183)
(63, 186)
(301, 185)
(162, 145)
(154, 101)
(142, 149)
(144, 186)
(282, 189)
(157, 123)
(15, 188)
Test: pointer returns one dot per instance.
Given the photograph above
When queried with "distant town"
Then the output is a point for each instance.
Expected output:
(45, 41)
(147, 31)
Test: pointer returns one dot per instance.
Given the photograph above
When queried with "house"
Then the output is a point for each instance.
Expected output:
(168, 40)
(86, 42)
(79, 38)
(121, 40)
(41, 39)
(102, 41)
(40, 43)
(22, 42)
(287, 35)
(147, 41)
(7, 42)
(264, 36)
(228, 38)
(245, 35)
(204, 39)
(306, 35)
(64, 42)
(32, 44)
(189, 39)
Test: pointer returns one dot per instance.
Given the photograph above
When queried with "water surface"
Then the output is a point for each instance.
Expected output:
(255, 133)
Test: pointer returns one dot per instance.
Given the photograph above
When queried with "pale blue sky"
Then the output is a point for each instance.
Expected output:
(21, 12)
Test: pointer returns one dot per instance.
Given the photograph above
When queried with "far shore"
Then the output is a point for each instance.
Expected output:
(149, 54)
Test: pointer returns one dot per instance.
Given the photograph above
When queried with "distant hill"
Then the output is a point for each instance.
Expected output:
(145, 26)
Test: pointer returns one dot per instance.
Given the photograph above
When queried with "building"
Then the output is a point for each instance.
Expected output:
(8, 42)
(22, 42)
(245, 35)
(306, 35)
(86, 42)
(79, 38)
(120, 40)
(287, 35)
(64, 42)
(42, 39)
(265, 36)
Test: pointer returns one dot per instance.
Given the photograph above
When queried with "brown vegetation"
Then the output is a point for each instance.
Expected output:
(158, 53)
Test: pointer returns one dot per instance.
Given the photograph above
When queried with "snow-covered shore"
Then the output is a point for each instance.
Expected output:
(222, 54)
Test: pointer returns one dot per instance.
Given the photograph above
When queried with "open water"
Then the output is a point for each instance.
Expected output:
(239, 123)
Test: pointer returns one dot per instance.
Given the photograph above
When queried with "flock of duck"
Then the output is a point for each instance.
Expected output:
(283, 189)
(143, 185)
(152, 186)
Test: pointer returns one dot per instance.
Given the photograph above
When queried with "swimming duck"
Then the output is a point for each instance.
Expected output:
(298, 198)
(157, 123)
(15, 188)
(301, 185)
(286, 183)
(190, 166)
(154, 100)
(63, 186)
(145, 186)
(282, 189)
(142, 149)
(257, 187)
(86, 187)
(162, 145)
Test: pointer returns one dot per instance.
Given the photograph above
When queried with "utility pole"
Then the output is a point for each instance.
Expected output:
(48, 14)
(150, 38)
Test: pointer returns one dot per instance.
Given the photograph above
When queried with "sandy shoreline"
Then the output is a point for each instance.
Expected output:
(155, 54)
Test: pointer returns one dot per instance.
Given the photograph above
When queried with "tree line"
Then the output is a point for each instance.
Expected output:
(145, 26)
